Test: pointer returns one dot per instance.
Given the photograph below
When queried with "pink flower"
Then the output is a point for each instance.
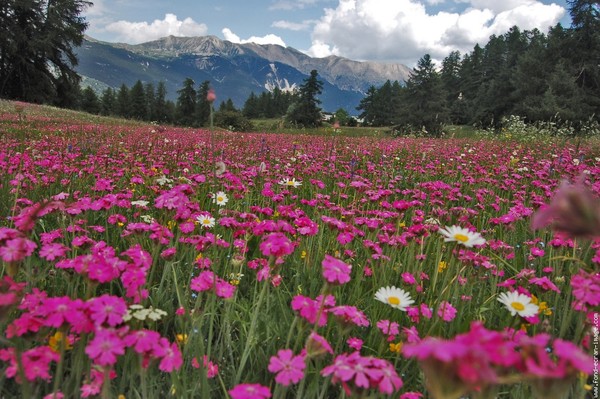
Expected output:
(574, 358)
(204, 282)
(350, 315)
(586, 290)
(143, 341)
(53, 251)
(388, 328)
(310, 308)
(172, 359)
(104, 348)
(411, 395)
(363, 372)
(211, 368)
(250, 391)
(211, 96)
(408, 278)
(355, 343)
(60, 310)
(107, 309)
(223, 289)
(574, 210)
(289, 368)
(35, 362)
(446, 311)
(335, 271)
(276, 244)
(545, 283)
(538, 252)
(317, 345)
(17, 249)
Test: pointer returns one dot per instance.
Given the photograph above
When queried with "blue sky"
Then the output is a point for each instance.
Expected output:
(374, 30)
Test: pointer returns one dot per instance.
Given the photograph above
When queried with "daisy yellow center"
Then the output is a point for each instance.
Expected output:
(394, 300)
(220, 199)
(518, 306)
(461, 237)
(290, 183)
(206, 221)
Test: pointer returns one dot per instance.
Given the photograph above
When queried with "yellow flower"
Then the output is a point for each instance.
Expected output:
(396, 348)
(543, 306)
(121, 396)
(199, 256)
(303, 255)
(55, 341)
(182, 338)
(171, 224)
(442, 266)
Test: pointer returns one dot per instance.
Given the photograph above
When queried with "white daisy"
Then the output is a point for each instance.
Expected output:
(462, 236)
(290, 182)
(140, 203)
(206, 221)
(395, 297)
(220, 198)
(518, 304)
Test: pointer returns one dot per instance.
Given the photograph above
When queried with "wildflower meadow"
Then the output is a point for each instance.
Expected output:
(143, 261)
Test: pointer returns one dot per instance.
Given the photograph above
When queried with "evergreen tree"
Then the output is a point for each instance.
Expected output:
(451, 81)
(37, 59)
(367, 106)
(150, 97)
(306, 111)
(426, 103)
(471, 76)
(530, 80)
(186, 103)
(89, 101)
(161, 111)
(227, 106)
(137, 101)
(203, 106)
(122, 105)
(585, 47)
(250, 109)
(107, 103)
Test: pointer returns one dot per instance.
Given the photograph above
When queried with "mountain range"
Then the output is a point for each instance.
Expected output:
(234, 70)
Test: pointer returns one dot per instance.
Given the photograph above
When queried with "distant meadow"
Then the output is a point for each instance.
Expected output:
(146, 261)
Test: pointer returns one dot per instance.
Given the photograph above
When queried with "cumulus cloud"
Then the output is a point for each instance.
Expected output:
(267, 39)
(403, 31)
(139, 32)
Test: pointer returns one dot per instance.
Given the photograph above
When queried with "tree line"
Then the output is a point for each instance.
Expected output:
(193, 108)
(554, 76)
(526, 73)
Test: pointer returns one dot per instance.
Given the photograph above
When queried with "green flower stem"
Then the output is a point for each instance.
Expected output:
(252, 331)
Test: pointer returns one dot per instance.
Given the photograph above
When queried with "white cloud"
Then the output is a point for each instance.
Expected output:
(402, 30)
(291, 4)
(267, 39)
(295, 26)
(139, 32)
(97, 8)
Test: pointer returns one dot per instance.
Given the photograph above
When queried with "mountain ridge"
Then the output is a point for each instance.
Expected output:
(253, 67)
